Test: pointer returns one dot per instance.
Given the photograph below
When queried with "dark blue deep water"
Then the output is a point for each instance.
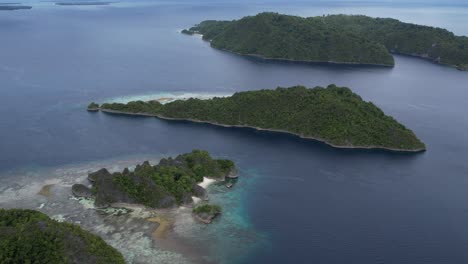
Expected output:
(310, 202)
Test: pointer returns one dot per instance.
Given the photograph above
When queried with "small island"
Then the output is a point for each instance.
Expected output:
(172, 182)
(93, 107)
(83, 3)
(342, 39)
(206, 213)
(13, 6)
(28, 236)
(333, 115)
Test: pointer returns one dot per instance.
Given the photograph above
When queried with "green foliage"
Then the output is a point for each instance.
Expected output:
(333, 114)
(334, 38)
(188, 32)
(93, 105)
(148, 184)
(207, 209)
(151, 107)
(28, 236)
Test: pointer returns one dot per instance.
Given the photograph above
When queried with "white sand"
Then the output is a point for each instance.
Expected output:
(206, 182)
(196, 199)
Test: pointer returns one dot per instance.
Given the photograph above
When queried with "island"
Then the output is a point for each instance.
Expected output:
(28, 236)
(334, 115)
(342, 39)
(13, 6)
(172, 182)
(206, 213)
(93, 107)
(83, 3)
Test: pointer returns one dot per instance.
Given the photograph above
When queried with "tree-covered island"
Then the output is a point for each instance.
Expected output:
(334, 115)
(28, 236)
(93, 107)
(170, 183)
(346, 39)
(206, 213)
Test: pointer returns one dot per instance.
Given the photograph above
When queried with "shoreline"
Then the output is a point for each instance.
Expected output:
(266, 129)
(419, 56)
(257, 56)
(429, 59)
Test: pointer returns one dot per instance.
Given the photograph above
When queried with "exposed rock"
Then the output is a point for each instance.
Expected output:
(170, 183)
(167, 201)
(206, 213)
(198, 191)
(79, 190)
(187, 199)
(204, 218)
(108, 191)
(92, 177)
(233, 174)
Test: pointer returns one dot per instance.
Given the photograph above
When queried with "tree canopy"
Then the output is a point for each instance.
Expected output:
(334, 114)
(28, 236)
(334, 38)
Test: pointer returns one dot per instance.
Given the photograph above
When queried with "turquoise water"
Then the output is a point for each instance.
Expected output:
(297, 201)
(232, 237)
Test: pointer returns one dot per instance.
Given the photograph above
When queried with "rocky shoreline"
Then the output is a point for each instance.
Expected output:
(270, 130)
(152, 186)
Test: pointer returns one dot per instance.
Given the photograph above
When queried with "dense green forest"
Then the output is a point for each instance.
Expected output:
(28, 236)
(171, 182)
(334, 38)
(334, 114)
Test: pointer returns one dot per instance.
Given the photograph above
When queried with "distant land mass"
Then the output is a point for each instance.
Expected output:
(342, 39)
(13, 6)
(333, 115)
(28, 236)
(83, 3)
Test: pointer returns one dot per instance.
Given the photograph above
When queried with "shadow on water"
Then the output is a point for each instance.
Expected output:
(289, 63)
(277, 139)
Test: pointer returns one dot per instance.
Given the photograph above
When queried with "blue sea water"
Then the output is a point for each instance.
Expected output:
(297, 201)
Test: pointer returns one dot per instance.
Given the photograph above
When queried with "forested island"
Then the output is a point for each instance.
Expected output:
(28, 236)
(170, 183)
(334, 115)
(346, 39)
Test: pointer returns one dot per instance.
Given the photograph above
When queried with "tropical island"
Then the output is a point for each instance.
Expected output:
(342, 39)
(172, 182)
(28, 236)
(333, 115)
